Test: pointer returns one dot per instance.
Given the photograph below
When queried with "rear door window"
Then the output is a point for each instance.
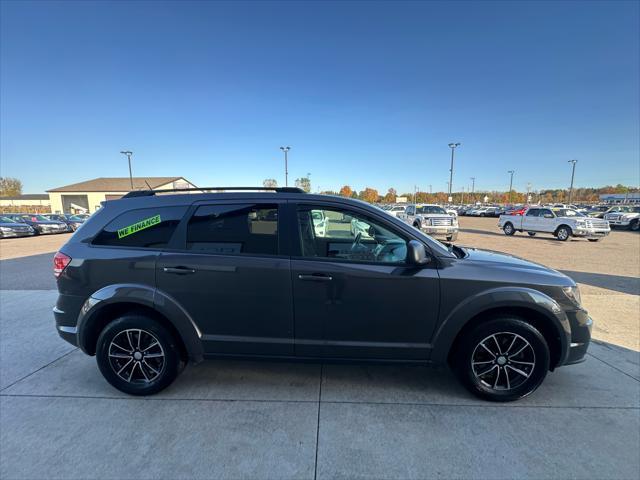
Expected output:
(143, 228)
(241, 229)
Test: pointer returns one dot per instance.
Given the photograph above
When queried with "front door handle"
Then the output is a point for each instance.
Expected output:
(316, 277)
(178, 270)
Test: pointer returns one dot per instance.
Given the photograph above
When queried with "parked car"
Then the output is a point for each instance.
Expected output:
(627, 217)
(394, 210)
(152, 282)
(12, 228)
(72, 221)
(40, 224)
(486, 211)
(598, 211)
(432, 220)
(563, 223)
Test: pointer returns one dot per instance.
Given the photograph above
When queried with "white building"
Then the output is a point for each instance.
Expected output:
(86, 197)
(614, 198)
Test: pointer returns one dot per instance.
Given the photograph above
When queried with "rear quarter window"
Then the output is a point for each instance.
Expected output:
(143, 228)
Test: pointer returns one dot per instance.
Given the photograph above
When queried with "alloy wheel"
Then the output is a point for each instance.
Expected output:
(503, 361)
(136, 356)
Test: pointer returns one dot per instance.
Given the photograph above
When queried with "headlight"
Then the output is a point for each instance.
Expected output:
(6, 229)
(573, 294)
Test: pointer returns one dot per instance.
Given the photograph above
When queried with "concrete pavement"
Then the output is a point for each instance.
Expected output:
(242, 419)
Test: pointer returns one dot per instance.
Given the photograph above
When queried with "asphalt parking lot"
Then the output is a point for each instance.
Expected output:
(242, 419)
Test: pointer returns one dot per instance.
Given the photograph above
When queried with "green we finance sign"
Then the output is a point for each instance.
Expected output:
(136, 227)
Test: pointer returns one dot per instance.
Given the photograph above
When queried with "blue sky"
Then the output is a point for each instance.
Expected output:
(366, 93)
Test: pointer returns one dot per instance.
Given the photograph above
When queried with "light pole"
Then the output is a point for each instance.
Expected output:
(511, 185)
(128, 154)
(573, 172)
(473, 187)
(286, 165)
(452, 146)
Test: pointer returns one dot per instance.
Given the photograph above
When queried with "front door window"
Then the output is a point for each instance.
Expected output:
(346, 235)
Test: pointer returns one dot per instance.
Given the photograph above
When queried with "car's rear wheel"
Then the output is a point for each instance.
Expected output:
(502, 360)
(563, 233)
(508, 229)
(593, 239)
(532, 234)
(138, 355)
(634, 225)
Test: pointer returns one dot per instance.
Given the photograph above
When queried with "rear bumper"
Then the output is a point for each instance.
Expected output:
(65, 314)
(581, 325)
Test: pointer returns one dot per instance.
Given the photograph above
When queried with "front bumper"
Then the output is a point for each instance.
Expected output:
(581, 325)
(450, 233)
(14, 234)
(591, 232)
(619, 223)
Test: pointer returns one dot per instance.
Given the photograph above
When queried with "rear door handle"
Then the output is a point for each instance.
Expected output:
(179, 270)
(315, 277)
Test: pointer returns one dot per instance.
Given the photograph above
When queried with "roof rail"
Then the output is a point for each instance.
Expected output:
(149, 193)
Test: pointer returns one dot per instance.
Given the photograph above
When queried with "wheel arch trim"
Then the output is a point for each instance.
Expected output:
(496, 299)
(144, 296)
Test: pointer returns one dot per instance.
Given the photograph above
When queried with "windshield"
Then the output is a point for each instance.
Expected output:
(628, 209)
(76, 218)
(7, 220)
(430, 209)
(37, 218)
(567, 212)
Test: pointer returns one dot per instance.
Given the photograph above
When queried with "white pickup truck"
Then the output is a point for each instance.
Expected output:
(432, 220)
(563, 223)
(626, 216)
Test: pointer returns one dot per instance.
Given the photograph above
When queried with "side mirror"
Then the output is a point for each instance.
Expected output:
(416, 253)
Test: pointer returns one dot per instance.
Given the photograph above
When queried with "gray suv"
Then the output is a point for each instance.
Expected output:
(158, 279)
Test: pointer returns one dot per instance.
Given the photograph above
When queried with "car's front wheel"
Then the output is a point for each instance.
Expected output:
(634, 225)
(502, 360)
(563, 233)
(508, 229)
(138, 355)
(532, 234)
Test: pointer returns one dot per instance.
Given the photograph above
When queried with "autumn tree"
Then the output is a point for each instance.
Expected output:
(369, 195)
(10, 187)
(391, 195)
(346, 191)
(270, 183)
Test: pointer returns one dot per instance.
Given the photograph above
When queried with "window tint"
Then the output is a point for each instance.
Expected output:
(146, 228)
(546, 211)
(234, 229)
(533, 212)
(343, 234)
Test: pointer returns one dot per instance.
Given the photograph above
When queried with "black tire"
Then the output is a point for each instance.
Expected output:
(143, 381)
(482, 215)
(532, 234)
(563, 233)
(593, 239)
(504, 329)
(634, 226)
(416, 225)
(509, 229)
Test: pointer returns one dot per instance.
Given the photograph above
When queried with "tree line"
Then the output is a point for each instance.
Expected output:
(372, 195)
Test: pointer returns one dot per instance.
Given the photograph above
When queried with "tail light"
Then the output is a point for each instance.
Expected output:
(60, 262)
